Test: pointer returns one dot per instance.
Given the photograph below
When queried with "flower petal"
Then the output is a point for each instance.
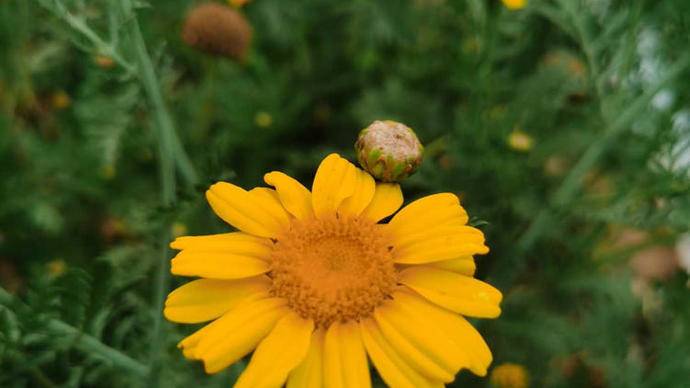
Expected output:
(335, 180)
(362, 195)
(459, 331)
(459, 293)
(294, 197)
(279, 353)
(236, 242)
(420, 344)
(345, 360)
(251, 212)
(463, 265)
(438, 244)
(205, 299)
(392, 368)
(232, 336)
(270, 200)
(428, 212)
(387, 199)
(309, 374)
(217, 265)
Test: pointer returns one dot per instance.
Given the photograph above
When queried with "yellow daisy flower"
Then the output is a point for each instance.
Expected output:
(514, 4)
(313, 283)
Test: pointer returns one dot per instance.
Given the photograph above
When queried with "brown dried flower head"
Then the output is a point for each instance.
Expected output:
(218, 30)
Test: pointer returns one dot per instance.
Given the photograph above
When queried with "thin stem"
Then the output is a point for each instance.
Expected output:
(168, 147)
(78, 24)
(83, 342)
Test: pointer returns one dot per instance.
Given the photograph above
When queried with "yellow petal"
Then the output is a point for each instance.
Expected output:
(334, 181)
(279, 353)
(294, 197)
(387, 199)
(459, 331)
(459, 293)
(232, 336)
(217, 265)
(463, 265)
(344, 359)
(427, 212)
(251, 212)
(438, 243)
(421, 345)
(236, 242)
(392, 368)
(205, 299)
(362, 195)
(309, 374)
(269, 199)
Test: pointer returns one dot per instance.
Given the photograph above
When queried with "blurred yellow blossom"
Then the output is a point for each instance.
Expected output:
(60, 100)
(263, 119)
(509, 375)
(178, 229)
(104, 61)
(514, 4)
(520, 141)
(56, 267)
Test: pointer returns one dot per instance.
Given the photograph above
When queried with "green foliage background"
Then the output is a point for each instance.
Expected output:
(599, 85)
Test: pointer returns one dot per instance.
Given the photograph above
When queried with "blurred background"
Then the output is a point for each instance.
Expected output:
(563, 125)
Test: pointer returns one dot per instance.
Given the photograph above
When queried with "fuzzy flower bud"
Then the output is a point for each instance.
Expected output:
(389, 151)
(217, 30)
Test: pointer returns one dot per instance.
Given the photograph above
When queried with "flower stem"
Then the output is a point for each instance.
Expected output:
(170, 150)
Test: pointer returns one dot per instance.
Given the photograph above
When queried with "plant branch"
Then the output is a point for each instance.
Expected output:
(83, 342)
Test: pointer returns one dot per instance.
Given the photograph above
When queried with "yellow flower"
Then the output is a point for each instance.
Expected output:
(514, 4)
(509, 375)
(56, 267)
(178, 229)
(60, 100)
(263, 119)
(520, 141)
(312, 283)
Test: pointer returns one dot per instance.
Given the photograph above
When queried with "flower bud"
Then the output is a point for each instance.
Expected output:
(217, 30)
(389, 151)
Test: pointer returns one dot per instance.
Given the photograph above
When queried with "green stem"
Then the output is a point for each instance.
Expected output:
(170, 149)
(83, 342)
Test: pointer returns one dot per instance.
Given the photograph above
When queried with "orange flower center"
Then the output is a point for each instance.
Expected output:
(333, 269)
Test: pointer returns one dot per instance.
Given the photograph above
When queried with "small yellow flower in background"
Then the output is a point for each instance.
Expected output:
(263, 119)
(108, 171)
(314, 284)
(60, 100)
(104, 61)
(520, 141)
(514, 4)
(178, 229)
(509, 375)
(56, 268)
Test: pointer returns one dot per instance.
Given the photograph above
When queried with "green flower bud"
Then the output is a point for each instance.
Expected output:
(389, 151)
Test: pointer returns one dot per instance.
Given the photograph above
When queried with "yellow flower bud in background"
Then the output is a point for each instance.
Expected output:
(520, 141)
(263, 119)
(56, 268)
(104, 61)
(178, 229)
(509, 375)
(514, 4)
(60, 100)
